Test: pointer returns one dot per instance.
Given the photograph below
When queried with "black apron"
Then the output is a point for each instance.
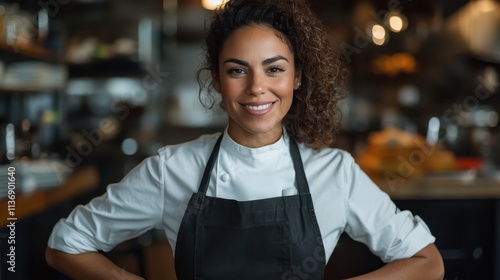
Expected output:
(275, 238)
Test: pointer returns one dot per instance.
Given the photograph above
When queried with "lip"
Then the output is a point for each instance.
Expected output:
(258, 112)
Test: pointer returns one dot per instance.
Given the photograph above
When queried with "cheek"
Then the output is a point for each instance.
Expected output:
(285, 89)
(229, 92)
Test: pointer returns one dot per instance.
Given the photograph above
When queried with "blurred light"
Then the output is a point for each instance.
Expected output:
(81, 87)
(477, 253)
(396, 23)
(490, 78)
(486, 6)
(212, 4)
(146, 41)
(10, 141)
(49, 117)
(378, 34)
(433, 131)
(25, 125)
(129, 89)
(485, 117)
(409, 95)
(129, 146)
(452, 133)
(492, 119)
(43, 22)
(109, 128)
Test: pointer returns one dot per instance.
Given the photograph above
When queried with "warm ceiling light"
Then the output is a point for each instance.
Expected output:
(486, 6)
(396, 23)
(212, 4)
(378, 32)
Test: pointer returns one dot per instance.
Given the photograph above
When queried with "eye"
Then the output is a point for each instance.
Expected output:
(236, 71)
(275, 69)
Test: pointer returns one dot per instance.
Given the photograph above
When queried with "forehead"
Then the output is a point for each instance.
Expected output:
(258, 40)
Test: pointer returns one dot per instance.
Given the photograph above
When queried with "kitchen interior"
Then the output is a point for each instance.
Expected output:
(89, 88)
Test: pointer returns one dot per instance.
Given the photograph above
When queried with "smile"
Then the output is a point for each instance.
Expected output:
(260, 107)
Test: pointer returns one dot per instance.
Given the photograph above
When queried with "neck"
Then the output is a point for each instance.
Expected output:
(254, 140)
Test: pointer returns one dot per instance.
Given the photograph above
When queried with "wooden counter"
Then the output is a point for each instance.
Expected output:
(480, 188)
(78, 183)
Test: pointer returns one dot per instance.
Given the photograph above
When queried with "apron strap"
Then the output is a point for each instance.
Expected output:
(300, 175)
(210, 165)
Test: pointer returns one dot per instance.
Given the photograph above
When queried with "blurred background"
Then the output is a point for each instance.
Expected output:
(89, 88)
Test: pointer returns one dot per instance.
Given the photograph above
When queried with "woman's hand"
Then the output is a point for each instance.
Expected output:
(87, 266)
(426, 264)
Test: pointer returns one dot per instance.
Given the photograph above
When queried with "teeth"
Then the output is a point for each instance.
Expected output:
(258, 108)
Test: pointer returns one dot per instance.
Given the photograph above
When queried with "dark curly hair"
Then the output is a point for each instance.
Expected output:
(314, 117)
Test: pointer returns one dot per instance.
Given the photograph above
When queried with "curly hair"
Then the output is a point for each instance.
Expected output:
(314, 117)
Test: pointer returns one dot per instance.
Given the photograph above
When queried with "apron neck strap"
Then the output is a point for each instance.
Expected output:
(300, 176)
(210, 165)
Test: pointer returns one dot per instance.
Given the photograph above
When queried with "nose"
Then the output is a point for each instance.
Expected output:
(256, 84)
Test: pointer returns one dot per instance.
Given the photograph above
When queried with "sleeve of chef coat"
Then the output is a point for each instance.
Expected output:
(374, 220)
(125, 211)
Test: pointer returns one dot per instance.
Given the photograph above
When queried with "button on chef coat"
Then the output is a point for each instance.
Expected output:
(156, 192)
(225, 178)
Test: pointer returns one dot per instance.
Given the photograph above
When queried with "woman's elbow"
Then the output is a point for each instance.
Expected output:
(434, 261)
(52, 257)
(440, 268)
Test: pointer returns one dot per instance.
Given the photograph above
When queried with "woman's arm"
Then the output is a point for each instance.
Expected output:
(125, 211)
(87, 266)
(426, 264)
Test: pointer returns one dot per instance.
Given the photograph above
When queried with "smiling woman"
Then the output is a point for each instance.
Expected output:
(267, 198)
(314, 115)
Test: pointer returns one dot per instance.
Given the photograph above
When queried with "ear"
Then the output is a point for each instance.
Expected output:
(216, 82)
(297, 80)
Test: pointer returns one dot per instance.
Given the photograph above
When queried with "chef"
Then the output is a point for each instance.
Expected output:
(267, 198)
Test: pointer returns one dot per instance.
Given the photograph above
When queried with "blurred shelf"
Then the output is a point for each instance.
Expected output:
(29, 204)
(26, 90)
(26, 52)
(107, 68)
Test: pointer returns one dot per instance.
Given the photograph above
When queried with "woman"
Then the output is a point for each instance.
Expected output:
(267, 198)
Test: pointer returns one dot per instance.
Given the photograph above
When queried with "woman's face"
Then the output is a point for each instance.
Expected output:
(256, 78)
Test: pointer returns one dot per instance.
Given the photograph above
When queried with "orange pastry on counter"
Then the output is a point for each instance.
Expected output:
(403, 154)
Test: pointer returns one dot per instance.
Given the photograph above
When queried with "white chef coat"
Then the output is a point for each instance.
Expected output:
(155, 195)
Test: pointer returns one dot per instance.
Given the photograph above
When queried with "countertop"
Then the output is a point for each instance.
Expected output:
(29, 204)
(426, 188)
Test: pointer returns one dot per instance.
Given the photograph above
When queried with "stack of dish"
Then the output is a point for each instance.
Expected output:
(32, 175)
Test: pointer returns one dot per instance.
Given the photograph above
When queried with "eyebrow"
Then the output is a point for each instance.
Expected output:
(265, 62)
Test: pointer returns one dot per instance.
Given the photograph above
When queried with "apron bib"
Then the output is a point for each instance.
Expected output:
(274, 238)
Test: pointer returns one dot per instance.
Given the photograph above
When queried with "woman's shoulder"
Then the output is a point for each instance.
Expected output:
(328, 160)
(328, 153)
(199, 146)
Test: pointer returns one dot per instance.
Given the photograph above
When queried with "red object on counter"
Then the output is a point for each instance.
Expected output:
(468, 163)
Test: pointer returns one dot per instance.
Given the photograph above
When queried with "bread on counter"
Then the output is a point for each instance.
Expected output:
(403, 154)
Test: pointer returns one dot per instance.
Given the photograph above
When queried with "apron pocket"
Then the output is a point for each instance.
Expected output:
(240, 253)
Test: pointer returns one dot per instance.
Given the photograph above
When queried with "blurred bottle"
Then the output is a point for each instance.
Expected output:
(11, 23)
(3, 147)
